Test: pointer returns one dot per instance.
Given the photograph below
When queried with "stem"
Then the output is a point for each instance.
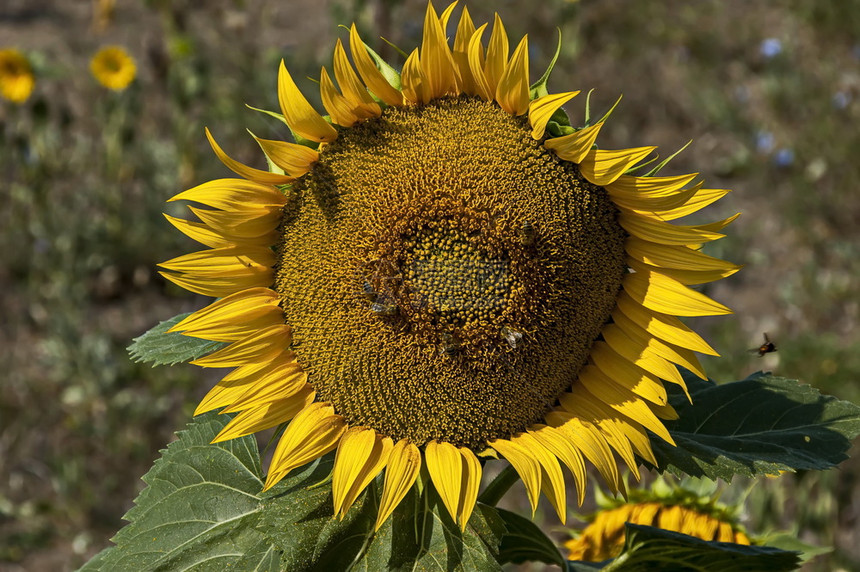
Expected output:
(500, 485)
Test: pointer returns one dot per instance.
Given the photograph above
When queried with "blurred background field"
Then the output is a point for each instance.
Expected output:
(769, 92)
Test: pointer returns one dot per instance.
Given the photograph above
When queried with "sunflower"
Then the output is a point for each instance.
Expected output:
(603, 538)
(16, 76)
(434, 275)
(113, 68)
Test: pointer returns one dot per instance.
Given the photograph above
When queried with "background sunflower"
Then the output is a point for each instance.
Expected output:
(766, 100)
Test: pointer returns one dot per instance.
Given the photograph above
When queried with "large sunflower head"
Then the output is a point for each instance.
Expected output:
(113, 68)
(16, 76)
(441, 270)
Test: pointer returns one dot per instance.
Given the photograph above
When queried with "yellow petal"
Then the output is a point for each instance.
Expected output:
(483, 88)
(576, 146)
(265, 345)
(603, 167)
(234, 195)
(542, 108)
(640, 356)
(266, 416)
(471, 483)
(588, 439)
(673, 256)
(226, 261)
(415, 87)
(630, 186)
(340, 110)
(687, 277)
(445, 466)
(201, 233)
(218, 286)
(512, 93)
(314, 432)
(622, 400)
(497, 55)
(437, 62)
(654, 206)
(298, 113)
(368, 71)
(252, 226)
(353, 90)
(250, 173)
(552, 481)
(608, 421)
(295, 160)
(681, 356)
(663, 326)
(276, 385)
(361, 455)
(404, 463)
(627, 375)
(234, 317)
(667, 296)
(562, 448)
(664, 232)
(465, 30)
(526, 465)
(700, 200)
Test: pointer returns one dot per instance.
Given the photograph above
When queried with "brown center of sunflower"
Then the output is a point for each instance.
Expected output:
(444, 274)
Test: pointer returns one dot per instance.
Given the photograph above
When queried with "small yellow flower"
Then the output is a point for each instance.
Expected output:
(604, 537)
(16, 76)
(113, 68)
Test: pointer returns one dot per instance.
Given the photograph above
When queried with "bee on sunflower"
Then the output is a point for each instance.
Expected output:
(442, 271)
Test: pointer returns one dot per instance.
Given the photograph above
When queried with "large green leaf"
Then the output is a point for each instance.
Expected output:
(419, 535)
(160, 347)
(758, 426)
(523, 541)
(199, 511)
(647, 548)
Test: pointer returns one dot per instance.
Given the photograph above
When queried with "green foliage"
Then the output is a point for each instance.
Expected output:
(160, 347)
(199, 509)
(647, 548)
(758, 426)
(525, 541)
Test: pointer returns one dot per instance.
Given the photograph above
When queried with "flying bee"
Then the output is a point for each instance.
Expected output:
(528, 236)
(766, 348)
(512, 336)
(450, 345)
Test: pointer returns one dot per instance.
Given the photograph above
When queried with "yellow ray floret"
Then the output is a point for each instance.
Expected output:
(627, 375)
(278, 385)
(339, 108)
(240, 226)
(483, 89)
(563, 449)
(416, 88)
(526, 466)
(627, 186)
(591, 442)
(201, 233)
(700, 200)
(233, 317)
(295, 160)
(233, 195)
(512, 93)
(369, 73)
(243, 379)
(604, 167)
(263, 346)
(250, 173)
(497, 56)
(542, 108)
(361, 455)
(642, 357)
(315, 431)
(641, 339)
(668, 296)
(226, 261)
(552, 480)
(353, 89)
(576, 146)
(456, 474)
(437, 63)
(404, 464)
(298, 113)
(267, 415)
(666, 327)
(465, 30)
(665, 233)
(219, 286)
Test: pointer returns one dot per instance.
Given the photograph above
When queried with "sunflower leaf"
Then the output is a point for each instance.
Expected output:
(758, 426)
(160, 347)
(647, 548)
(524, 540)
(199, 510)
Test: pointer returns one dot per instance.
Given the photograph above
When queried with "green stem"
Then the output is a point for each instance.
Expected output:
(500, 485)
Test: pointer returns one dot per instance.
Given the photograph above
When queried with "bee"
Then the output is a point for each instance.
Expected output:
(450, 345)
(766, 348)
(528, 236)
(369, 292)
(512, 336)
(384, 306)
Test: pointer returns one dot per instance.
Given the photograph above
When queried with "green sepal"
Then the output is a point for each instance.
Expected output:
(391, 75)
(559, 130)
(538, 88)
(296, 137)
(272, 167)
(665, 161)
(160, 347)
(758, 426)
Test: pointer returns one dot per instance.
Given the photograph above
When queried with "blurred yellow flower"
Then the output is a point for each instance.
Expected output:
(16, 76)
(604, 537)
(113, 68)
